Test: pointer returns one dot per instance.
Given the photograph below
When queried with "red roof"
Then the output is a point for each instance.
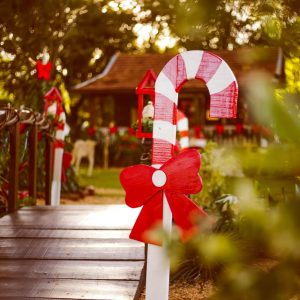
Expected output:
(125, 71)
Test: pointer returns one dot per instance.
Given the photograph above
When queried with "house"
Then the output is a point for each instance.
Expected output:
(112, 95)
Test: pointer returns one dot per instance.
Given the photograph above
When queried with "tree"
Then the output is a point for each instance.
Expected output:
(78, 33)
(227, 24)
(83, 34)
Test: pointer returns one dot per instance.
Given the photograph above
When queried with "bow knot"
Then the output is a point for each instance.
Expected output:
(145, 185)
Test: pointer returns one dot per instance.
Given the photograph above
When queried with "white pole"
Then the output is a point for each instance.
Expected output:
(57, 166)
(56, 181)
(158, 263)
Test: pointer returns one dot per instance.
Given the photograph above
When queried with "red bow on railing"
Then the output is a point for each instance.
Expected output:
(145, 185)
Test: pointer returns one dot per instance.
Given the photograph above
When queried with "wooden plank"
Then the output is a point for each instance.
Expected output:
(67, 289)
(71, 249)
(63, 269)
(104, 217)
(63, 243)
(69, 208)
(56, 253)
(18, 232)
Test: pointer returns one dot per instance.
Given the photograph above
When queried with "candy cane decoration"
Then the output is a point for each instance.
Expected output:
(54, 108)
(223, 90)
(183, 130)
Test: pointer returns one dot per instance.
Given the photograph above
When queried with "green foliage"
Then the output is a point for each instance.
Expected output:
(281, 116)
(217, 164)
(292, 75)
(26, 201)
(147, 125)
(278, 161)
(271, 234)
(213, 181)
(126, 150)
(221, 24)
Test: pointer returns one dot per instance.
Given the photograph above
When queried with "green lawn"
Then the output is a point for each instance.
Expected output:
(101, 178)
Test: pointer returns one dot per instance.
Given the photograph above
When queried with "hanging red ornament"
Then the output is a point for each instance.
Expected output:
(43, 70)
(43, 66)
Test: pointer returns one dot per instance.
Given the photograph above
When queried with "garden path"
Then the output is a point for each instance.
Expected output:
(69, 252)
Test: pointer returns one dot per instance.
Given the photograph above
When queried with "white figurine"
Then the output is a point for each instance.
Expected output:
(148, 111)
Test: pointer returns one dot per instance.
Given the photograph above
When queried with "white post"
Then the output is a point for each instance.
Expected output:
(158, 263)
(56, 181)
(58, 158)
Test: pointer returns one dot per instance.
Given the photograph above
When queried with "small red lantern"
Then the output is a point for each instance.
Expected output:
(145, 92)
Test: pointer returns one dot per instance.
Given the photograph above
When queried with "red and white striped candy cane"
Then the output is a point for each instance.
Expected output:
(223, 90)
(54, 108)
(201, 65)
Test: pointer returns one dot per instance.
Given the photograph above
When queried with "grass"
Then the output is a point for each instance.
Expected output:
(101, 178)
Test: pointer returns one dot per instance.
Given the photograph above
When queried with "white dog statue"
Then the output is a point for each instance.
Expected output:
(84, 149)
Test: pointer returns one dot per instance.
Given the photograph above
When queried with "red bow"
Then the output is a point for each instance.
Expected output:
(145, 185)
(43, 70)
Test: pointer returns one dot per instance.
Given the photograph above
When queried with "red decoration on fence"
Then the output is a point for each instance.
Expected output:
(91, 131)
(22, 128)
(113, 130)
(131, 131)
(198, 132)
(220, 129)
(239, 127)
(144, 185)
(255, 129)
(67, 158)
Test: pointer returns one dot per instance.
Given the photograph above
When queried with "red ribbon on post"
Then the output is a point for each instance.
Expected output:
(145, 185)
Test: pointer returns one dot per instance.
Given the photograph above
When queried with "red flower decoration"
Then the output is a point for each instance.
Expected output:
(145, 185)
(131, 131)
(91, 131)
(113, 130)
(43, 70)
(220, 129)
(40, 135)
(198, 132)
(239, 127)
(23, 194)
(66, 163)
(22, 128)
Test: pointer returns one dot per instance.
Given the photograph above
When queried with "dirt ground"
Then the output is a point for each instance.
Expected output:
(186, 291)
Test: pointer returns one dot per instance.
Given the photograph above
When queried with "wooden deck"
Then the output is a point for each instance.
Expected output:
(69, 252)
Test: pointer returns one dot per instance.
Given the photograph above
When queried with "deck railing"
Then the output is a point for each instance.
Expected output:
(12, 120)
